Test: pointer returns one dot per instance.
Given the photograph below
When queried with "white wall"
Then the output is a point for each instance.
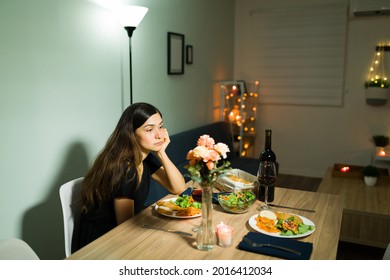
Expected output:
(309, 139)
(64, 83)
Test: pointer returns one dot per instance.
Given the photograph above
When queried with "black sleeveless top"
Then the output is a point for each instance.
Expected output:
(99, 221)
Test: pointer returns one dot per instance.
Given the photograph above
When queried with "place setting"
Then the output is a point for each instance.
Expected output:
(277, 234)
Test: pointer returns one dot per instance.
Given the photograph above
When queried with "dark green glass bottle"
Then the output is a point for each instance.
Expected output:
(268, 155)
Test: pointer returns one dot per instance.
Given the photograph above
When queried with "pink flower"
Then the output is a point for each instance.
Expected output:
(206, 141)
(192, 158)
(222, 149)
(200, 152)
(204, 160)
(211, 155)
(210, 165)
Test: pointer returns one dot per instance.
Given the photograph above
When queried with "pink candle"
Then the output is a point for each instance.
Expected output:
(224, 235)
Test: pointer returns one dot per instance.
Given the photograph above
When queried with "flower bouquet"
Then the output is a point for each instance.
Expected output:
(207, 161)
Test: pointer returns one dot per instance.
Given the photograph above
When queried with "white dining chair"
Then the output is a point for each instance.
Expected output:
(71, 210)
(16, 249)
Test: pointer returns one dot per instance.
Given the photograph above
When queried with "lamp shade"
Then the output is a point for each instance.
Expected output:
(129, 15)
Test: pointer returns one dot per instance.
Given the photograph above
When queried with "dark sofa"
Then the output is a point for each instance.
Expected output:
(183, 142)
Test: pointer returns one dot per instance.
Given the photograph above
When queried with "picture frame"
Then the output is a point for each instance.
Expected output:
(190, 54)
(175, 53)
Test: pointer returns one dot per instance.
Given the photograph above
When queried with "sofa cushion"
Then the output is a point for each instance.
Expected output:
(250, 165)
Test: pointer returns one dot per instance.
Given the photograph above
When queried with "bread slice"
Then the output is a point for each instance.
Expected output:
(164, 210)
(268, 214)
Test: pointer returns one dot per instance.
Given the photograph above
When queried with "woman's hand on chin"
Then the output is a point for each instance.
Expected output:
(166, 140)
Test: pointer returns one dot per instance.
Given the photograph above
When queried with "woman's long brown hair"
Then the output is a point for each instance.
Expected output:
(120, 155)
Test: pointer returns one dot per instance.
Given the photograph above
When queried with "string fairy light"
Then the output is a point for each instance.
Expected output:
(237, 113)
(377, 76)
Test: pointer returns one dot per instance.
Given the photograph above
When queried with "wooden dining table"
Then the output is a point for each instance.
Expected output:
(130, 241)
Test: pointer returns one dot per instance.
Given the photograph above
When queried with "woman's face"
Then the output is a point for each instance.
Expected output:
(150, 135)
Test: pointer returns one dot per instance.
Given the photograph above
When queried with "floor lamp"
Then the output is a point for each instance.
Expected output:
(130, 17)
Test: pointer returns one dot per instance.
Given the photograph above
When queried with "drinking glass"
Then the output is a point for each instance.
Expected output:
(267, 177)
(196, 193)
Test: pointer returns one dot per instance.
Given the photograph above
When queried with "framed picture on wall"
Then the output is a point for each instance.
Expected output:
(175, 53)
(189, 56)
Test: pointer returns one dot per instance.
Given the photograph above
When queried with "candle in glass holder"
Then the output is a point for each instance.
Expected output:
(224, 235)
(381, 152)
(344, 169)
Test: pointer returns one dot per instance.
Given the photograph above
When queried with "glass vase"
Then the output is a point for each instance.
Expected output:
(205, 239)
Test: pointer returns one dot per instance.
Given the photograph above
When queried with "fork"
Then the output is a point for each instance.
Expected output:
(183, 233)
(254, 244)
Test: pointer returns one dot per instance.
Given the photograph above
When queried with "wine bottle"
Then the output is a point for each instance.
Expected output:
(268, 155)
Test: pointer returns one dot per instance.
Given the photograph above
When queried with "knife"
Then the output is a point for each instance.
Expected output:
(168, 230)
(294, 208)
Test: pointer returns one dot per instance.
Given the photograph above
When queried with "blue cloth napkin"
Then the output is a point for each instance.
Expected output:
(305, 248)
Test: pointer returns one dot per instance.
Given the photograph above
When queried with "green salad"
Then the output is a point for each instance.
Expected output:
(186, 201)
(239, 200)
(289, 227)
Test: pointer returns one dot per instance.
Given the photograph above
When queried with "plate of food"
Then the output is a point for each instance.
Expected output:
(181, 207)
(281, 224)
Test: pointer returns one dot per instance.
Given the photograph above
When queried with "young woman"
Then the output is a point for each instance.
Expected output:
(117, 185)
